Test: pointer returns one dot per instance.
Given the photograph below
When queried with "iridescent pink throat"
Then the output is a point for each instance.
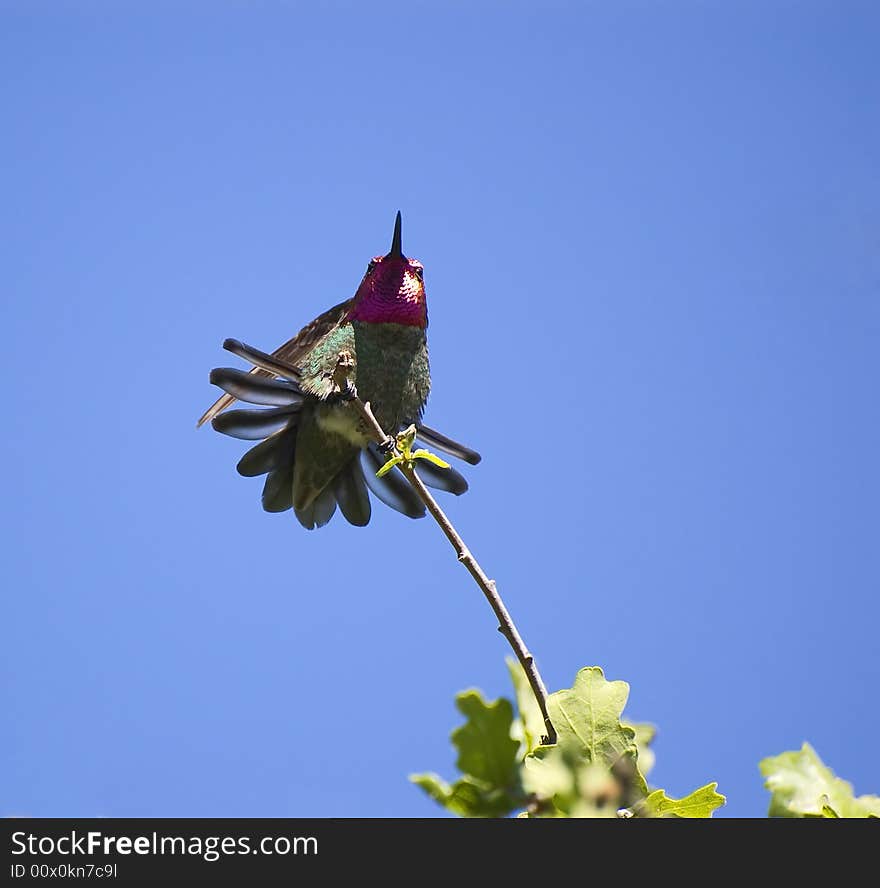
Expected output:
(391, 293)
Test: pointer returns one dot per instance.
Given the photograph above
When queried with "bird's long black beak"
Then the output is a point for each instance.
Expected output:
(396, 241)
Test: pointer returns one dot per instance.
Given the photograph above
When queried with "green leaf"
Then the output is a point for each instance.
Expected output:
(485, 748)
(587, 721)
(488, 758)
(467, 797)
(802, 786)
(421, 453)
(530, 725)
(700, 803)
(436, 787)
(587, 716)
(392, 462)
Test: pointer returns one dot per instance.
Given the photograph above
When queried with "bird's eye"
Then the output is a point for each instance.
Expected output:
(420, 273)
(371, 265)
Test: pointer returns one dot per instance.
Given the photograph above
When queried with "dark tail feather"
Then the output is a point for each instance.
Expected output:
(436, 439)
(325, 507)
(319, 511)
(278, 489)
(252, 425)
(351, 494)
(392, 488)
(256, 389)
(273, 453)
(262, 368)
(260, 359)
(441, 479)
(276, 456)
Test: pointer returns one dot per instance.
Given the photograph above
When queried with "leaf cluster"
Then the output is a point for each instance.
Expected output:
(596, 768)
(801, 785)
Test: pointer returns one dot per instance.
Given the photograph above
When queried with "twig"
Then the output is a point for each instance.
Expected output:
(506, 625)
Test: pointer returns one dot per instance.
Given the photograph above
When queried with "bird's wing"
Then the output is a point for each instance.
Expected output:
(292, 352)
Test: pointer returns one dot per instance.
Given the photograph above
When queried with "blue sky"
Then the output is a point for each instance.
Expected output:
(651, 237)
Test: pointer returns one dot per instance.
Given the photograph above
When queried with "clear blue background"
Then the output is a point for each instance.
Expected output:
(651, 235)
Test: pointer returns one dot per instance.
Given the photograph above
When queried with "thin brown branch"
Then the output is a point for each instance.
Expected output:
(488, 587)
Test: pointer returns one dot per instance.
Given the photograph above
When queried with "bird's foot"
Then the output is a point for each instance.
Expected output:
(342, 373)
(347, 391)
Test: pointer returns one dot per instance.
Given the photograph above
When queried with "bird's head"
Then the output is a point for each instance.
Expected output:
(393, 289)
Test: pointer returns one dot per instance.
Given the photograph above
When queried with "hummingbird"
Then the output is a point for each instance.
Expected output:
(313, 449)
